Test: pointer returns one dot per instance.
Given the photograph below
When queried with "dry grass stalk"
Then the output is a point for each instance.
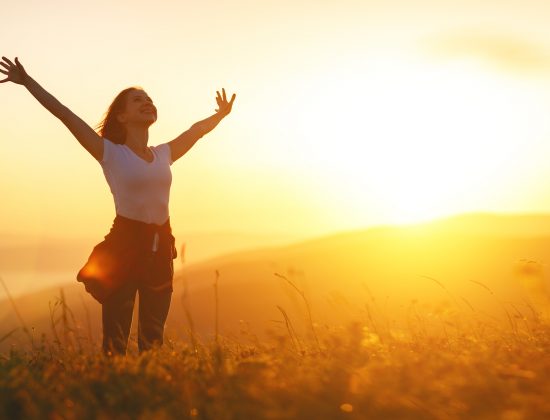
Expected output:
(17, 313)
(310, 318)
(291, 332)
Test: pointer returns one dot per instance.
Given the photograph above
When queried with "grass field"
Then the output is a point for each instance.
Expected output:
(443, 364)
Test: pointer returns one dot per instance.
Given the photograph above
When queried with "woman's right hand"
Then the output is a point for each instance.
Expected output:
(15, 72)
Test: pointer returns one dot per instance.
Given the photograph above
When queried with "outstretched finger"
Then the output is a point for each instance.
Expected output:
(3, 71)
(224, 97)
(233, 98)
(18, 63)
(5, 80)
(8, 61)
(4, 65)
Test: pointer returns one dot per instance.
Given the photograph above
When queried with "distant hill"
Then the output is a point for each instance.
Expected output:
(32, 263)
(446, 260)
(474, 264)
(531, 225)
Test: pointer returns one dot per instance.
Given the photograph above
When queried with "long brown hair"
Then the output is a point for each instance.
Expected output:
(110, 128)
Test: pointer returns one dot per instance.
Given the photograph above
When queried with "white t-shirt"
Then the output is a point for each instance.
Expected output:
(141, 189)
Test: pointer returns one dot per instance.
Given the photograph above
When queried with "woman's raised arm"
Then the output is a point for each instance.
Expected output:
(85, 135)
(181, 144)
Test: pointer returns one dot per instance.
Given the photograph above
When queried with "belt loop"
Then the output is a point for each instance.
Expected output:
(155, 242)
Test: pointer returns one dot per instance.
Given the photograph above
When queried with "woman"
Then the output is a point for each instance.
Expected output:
(137, 254)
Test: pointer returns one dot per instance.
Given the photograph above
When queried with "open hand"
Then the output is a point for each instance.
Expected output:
(224, 107)
(15, 72)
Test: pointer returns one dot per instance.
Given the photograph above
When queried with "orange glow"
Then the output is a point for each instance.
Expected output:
(345, 122)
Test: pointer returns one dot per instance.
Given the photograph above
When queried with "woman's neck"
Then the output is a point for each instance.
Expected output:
(137, 137)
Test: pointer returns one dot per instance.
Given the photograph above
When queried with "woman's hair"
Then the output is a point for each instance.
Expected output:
(110, 128)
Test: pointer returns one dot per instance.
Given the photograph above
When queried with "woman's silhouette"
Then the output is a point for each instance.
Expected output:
(137, 254)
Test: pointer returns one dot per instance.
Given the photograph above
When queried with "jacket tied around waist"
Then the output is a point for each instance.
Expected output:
(111, 262)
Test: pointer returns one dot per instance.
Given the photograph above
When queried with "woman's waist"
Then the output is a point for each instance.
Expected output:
(137, 230)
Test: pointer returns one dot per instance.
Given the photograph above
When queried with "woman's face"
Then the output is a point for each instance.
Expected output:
(139, 108)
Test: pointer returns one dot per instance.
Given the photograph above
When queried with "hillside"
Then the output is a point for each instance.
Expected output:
(469, 263)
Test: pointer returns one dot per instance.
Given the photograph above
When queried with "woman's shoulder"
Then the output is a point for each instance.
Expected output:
(110, 150)
(111, 142)
(164, 150)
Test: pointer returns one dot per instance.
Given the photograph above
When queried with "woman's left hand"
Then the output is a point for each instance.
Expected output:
(224, 107)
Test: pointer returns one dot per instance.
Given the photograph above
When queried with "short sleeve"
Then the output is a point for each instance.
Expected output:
(165, 150)
(107, 150)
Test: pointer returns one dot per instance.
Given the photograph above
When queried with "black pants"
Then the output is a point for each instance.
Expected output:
(154, 302)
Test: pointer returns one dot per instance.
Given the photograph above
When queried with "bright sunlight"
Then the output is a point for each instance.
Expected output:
(413, 137)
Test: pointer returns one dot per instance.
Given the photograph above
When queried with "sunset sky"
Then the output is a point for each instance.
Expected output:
(348, 113)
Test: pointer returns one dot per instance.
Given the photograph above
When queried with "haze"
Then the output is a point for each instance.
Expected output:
(348, 114)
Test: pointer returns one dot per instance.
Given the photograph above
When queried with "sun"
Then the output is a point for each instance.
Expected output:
(413, 139)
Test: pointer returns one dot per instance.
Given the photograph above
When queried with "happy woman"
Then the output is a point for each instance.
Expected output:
(136, 256)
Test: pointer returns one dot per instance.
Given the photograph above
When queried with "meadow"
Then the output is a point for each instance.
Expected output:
(446, 321)
(444, 363)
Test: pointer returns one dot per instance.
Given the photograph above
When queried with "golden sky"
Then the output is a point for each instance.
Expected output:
(348, 113)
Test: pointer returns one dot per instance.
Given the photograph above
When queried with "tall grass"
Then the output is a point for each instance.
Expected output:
(445, 364)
